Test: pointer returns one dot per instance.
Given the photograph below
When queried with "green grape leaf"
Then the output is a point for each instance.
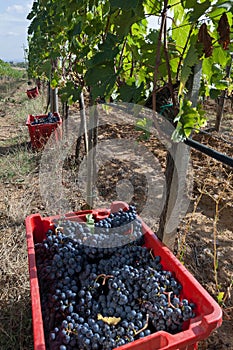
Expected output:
(220, 297)
(125, 5)
(214, 93)
(130, 93)
(144, 125)
(101, 79)
(216, 12)
(99, 74)
(70, 92)
(123, 22)
(180, 35)
(102, 57)
(190, 60)
(46, 68)
(220, 56)
(189, 4)
(90, 222)
(178, 12)
(76, 30)
(33, 12)
(222, 84)
(107, 52)
(199, 10)
(189, 119)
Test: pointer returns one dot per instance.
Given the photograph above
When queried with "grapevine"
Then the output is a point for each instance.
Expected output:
(109, 48)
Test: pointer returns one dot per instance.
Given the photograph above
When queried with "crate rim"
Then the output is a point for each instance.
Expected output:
(29, 121)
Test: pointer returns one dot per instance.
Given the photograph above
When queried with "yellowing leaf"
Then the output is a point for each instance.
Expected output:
(205, 38)
(112, 321)
(220, 297)
(224, 31)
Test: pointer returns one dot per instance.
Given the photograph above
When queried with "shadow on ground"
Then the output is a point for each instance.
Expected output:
(14, 148)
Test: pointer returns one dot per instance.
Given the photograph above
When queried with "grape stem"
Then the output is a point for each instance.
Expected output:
(105, 277)
(58, 229)
(71, 331)
(169, 299)
(151, 254)
(144, 327)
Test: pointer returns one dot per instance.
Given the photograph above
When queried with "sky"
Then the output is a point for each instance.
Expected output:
(13, 28)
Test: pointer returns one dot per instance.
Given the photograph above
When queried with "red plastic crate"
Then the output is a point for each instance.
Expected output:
(40, 133)
(208, 312)
(33, 93)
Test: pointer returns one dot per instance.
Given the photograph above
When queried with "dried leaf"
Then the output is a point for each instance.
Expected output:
(224, 32)
(205, 38)
(109, 320)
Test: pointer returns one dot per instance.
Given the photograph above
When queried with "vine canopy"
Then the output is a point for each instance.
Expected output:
(130, 50)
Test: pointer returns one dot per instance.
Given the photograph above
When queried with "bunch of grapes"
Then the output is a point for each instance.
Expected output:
(101, 239)
(106, 297)
(48, 119)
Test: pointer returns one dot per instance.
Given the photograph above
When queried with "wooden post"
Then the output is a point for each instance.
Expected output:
(65, 116)
(176, 173)
(53, 92)
(91, 155)
(176, 188)
(83, 129)
(53, 100)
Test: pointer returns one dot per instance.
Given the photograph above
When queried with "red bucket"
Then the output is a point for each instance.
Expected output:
(33, 93)
(41, 132)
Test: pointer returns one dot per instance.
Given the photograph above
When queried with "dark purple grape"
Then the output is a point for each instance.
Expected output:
(80, 283)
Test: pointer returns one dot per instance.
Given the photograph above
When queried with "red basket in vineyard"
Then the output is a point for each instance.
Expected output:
(40, 129)
(208, 312)
(33, 93)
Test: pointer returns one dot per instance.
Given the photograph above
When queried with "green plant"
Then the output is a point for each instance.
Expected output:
(108, 47)
(90, 222)
(7, 70)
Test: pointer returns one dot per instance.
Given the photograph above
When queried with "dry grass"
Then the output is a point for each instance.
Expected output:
(15, 316)
(18, 184)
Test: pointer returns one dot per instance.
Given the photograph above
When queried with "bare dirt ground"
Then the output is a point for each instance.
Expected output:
(205, 236)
